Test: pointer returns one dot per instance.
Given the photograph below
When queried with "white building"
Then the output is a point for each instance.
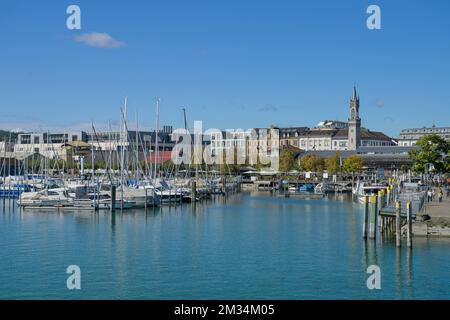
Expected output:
(248, 144)
(409, 137)
(48, 144)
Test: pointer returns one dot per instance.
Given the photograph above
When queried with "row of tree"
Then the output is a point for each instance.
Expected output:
(315, 163)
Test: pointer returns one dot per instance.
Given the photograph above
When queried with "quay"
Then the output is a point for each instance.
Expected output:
(405, 214)
(434, 219)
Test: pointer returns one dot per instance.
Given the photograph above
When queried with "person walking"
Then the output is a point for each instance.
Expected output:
(429, 195)
(433, 194)
(440, 194)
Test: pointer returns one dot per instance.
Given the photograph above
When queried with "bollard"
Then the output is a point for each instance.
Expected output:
(113, 199)
(193, 190)
(380, 206)
(388, 195)
(373, 216)
(398, 225)
(380, 200)
(366, 216)
(409, 223)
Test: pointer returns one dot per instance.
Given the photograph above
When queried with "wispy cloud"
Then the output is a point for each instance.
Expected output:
(99, 40)
(268, 107)
(379, 103)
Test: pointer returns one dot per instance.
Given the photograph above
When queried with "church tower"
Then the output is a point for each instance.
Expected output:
(354, 123)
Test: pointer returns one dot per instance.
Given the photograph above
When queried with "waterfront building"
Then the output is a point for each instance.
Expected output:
(63, 145)
(409, 137)
(49, 145)
(388, 157)
(335, 135)
(249, 142)
(132, 140)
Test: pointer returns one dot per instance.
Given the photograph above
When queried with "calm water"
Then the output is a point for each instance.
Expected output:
(251, 247)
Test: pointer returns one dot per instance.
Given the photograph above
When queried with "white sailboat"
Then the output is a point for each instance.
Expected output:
(363, 189)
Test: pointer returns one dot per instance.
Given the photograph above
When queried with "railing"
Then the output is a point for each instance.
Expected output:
(417, 200)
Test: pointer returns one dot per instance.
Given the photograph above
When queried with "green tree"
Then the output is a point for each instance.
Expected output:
(353, 164)
(432, 150)
(312, 162)
(286, 161)
(333, 163)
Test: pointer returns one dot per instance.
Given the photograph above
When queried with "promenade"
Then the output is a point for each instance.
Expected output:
(439, 222)
(436, 209)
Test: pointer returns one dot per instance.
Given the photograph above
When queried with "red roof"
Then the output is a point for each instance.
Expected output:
(163, 156)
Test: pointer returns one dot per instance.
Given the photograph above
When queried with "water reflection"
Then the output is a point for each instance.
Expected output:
(398, 270)
(370, 252)
(409, 273)
(284, 248)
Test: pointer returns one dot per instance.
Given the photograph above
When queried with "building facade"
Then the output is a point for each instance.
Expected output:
(335, 135)
(50, 145)
(409, 137)
(55, 145)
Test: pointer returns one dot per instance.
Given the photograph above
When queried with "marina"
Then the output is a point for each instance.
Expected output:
(237, 156)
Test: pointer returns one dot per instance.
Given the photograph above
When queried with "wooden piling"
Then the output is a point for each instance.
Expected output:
(380, 205)
(366, 216)
(409, 224)
(224, 185)
(373, 216)
(113, 199)
(193, 191)
(380, 199)
(146, 197)
(398, 225)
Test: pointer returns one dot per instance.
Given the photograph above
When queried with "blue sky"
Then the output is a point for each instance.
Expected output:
(232, 64)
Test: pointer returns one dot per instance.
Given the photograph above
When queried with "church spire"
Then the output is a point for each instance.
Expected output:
(355, 95)
(354, 123)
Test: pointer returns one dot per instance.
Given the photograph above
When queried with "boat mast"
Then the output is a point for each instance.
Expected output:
(156, 138)
(136, 140)
(185, 132)
(92, 157)
(123, 138)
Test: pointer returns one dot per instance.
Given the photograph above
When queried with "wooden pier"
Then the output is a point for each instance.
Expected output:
(388, 214)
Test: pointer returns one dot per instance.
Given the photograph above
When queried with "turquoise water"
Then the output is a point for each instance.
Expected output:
(249, 247)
